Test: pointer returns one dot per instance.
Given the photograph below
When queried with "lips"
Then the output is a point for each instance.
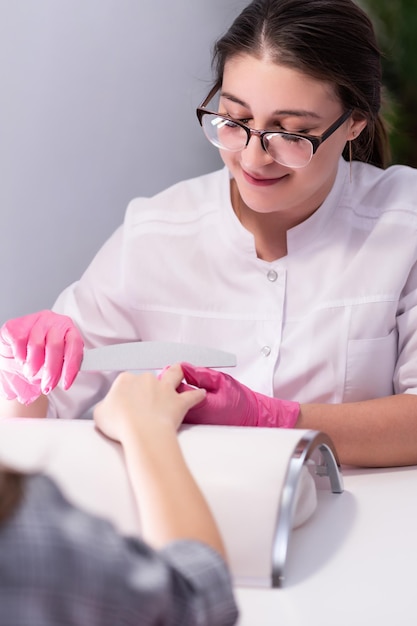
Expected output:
(261, 182)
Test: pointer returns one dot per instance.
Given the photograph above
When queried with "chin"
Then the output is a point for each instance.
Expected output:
(263, 206)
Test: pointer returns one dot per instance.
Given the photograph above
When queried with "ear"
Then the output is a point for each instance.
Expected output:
(356, 126)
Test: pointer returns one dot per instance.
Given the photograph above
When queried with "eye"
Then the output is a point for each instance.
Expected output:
(292, 138)
(296, 132)
(229, 123)
(286, 136)
(242, 120)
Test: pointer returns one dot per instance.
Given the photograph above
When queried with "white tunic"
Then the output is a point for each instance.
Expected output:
(333, 321)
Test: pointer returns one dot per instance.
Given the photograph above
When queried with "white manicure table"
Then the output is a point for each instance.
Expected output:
(354, 561)
(351, 563)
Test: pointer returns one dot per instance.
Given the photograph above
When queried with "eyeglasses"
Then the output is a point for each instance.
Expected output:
(290, 149)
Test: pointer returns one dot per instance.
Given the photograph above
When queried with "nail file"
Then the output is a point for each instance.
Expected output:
(153, 355)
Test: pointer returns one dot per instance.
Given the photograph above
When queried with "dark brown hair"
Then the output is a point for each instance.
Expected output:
(11, 491)
(330, 40)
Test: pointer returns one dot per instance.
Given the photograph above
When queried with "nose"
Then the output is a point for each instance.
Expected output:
(254, 155)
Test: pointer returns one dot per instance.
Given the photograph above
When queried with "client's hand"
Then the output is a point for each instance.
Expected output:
(145, 403)
(228, 402)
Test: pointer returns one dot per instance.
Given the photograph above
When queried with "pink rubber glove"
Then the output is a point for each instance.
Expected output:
(228, 402)
(35, 351)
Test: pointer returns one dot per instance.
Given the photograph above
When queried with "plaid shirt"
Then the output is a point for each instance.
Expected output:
(60, 566)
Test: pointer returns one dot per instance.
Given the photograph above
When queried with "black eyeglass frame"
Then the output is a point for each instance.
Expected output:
(315, 140)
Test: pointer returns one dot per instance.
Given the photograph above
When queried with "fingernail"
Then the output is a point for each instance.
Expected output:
(46, 385)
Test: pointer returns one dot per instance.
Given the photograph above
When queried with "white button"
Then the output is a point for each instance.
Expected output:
(272, 276)
(266, 351)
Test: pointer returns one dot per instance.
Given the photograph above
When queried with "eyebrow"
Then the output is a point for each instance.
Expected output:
(287, 112)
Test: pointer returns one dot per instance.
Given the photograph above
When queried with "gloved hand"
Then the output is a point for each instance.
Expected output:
(228, 402)
(35, 351)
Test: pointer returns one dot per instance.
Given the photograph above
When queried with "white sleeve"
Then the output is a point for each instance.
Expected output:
(96, 304)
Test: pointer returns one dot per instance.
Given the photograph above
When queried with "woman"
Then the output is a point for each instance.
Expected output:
(299, 255)
(53, 568)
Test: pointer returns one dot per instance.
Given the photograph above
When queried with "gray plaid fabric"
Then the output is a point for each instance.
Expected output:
(60, 566)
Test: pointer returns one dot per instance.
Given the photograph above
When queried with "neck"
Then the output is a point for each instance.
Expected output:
(268, 229)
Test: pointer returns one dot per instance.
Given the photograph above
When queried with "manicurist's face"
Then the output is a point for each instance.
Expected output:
(268, 96)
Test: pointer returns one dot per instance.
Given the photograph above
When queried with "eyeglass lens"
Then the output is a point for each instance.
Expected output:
(285, 149)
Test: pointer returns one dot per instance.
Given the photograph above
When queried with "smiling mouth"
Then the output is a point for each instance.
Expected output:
(262, 182)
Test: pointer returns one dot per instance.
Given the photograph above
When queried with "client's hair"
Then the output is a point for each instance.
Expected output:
(11, 491)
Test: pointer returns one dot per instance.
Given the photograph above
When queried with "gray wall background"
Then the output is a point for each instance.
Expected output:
(97, 107)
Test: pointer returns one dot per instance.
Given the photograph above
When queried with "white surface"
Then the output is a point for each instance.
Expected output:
(241, 471)
(353, 563)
